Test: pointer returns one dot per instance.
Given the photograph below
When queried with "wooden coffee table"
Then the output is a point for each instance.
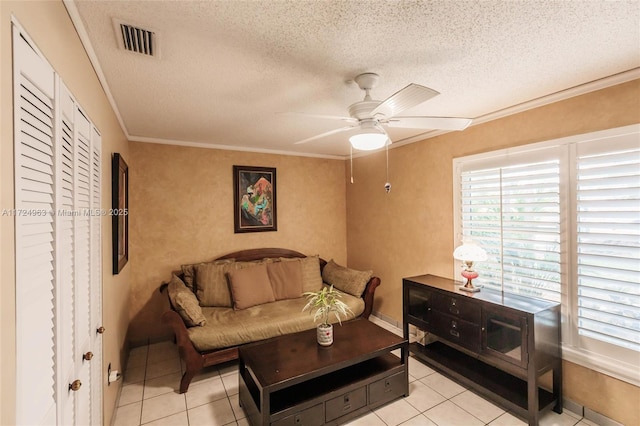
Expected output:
(291, 380)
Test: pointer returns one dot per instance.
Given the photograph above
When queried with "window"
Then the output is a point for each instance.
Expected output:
(513, 211)
(560, 220)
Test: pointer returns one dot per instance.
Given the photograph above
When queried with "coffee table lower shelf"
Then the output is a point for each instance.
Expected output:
(328, 399)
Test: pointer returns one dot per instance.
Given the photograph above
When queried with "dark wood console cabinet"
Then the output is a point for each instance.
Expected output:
(496, 344)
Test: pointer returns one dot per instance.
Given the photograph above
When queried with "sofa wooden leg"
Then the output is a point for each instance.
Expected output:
(186, 380)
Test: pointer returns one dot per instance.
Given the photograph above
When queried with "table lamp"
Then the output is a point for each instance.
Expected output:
(468, 253)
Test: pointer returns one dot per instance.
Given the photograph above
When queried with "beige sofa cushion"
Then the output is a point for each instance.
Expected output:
(226, 327)
(185, 303)
(211, 284)
(189, 272)
(311, 278)
(346, 280)
(250, 286)
(286, 279)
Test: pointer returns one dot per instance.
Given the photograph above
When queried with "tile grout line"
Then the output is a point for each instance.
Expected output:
(144, 382)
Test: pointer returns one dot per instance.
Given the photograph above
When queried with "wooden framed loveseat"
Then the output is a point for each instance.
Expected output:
(213, 334)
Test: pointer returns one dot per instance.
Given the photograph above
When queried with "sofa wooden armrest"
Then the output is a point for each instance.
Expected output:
(196, 360)
(367, 295)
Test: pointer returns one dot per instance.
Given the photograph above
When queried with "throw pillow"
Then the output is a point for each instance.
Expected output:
(286, 279)
(347, 280)
(311, 278)
(250, 286)
(211, 284)
(189, 272)
(185, 302)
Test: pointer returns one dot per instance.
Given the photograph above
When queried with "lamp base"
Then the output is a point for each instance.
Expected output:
(469, 287)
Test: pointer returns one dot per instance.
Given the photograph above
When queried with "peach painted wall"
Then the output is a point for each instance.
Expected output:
(181, 203)
(49, 26)
(410, 230)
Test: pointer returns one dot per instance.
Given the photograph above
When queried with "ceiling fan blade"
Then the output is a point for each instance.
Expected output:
(440, 123)
(410, 96)
(322, 135)
(326, 117)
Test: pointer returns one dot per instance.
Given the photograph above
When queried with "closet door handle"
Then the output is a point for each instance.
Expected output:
(75, 385)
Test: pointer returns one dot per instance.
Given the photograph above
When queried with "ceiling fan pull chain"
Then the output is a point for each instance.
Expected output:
(351, 161)
(387, 186)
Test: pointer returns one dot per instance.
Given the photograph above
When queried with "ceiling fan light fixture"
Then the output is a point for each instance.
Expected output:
(368, 141)
(369, 137)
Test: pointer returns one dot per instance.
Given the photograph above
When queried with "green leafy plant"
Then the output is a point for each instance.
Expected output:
(326, 301)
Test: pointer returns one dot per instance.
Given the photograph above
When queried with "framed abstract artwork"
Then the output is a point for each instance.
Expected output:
(120, 212)
(254, 199)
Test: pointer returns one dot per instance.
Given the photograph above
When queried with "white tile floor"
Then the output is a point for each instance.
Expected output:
(150, 397)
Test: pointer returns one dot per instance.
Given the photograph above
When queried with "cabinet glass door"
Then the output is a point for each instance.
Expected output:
(505, 336)
(419, 304)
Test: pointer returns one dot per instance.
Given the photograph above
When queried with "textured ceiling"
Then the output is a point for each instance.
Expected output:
(228, 69)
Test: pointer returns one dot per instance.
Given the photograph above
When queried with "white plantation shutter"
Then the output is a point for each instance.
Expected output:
(608, 242)
(34, 202)
(513, 212)
(560, 220)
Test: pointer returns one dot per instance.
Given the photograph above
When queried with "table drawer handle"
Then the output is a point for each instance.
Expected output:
(454, 333)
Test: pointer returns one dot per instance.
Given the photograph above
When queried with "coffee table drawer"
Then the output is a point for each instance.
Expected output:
(310, 417)
(350, 401)
(387, 389)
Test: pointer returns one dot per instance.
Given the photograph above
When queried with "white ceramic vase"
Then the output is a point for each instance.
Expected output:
(325, 334)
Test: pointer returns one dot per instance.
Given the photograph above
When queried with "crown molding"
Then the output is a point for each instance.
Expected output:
(232, 148)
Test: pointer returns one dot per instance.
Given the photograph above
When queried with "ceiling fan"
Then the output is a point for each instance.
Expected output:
(367, 117)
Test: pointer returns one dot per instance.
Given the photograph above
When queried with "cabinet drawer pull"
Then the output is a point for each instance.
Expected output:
(454, 333)
(454, 310)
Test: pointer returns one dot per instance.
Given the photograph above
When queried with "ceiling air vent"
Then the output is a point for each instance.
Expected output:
(136, 39)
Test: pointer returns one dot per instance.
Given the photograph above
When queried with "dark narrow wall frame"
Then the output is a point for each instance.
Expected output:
(120, 212)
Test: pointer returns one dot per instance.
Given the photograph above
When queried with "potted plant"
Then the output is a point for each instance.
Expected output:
(325, 301)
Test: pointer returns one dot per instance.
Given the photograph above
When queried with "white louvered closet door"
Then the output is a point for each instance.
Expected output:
(35, 246)
(58, 256)
(82, 260)
(65, 248)
(96, 279)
